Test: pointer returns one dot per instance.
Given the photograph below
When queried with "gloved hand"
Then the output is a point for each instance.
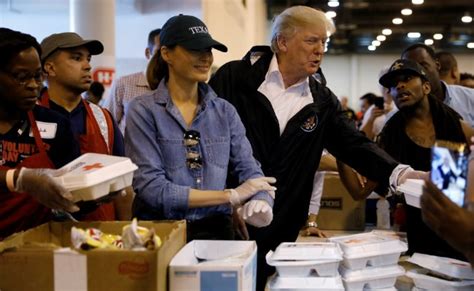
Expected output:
(251, 187)
(39, 183)
(257, 213)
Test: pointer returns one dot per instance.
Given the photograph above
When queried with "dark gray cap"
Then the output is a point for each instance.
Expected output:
(399, 67)
(68, 40)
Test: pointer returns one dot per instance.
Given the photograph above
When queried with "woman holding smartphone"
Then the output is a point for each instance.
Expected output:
(185, 140)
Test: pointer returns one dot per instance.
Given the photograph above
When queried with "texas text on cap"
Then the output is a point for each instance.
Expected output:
(401, 67)
(68, 40)
(189, 32)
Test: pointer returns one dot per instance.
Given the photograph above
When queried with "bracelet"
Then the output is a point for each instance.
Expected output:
(312, 224)
(9, 180)
(234, 198)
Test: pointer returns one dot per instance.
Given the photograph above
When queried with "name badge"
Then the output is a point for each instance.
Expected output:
(47, 130)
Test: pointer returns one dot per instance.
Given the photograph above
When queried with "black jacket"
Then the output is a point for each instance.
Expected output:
(294, 156)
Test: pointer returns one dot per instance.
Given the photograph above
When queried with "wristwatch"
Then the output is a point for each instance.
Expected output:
(312, 224)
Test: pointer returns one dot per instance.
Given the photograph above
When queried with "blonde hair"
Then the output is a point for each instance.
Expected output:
(287, 22)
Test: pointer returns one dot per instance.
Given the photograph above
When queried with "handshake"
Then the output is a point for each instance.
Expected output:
(255, 212)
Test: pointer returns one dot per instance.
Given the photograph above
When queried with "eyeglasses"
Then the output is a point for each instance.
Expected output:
(193, 157)
(22, 78)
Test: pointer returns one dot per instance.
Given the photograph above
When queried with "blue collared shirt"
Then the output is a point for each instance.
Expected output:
(154, 141)
(461, 99)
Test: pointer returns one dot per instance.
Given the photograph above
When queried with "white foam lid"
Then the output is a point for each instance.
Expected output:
(446, 266)
(369, 244)
(412, 189)
(371, 273)
(307, 252)
(297, 263)
(307, 283)
(422, 280)
(91, 169)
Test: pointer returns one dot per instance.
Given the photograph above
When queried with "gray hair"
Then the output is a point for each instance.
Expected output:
(287, 22)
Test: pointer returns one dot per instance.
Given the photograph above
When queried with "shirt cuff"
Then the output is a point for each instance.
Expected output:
(396, 175)
(179, 202)
(263, 195)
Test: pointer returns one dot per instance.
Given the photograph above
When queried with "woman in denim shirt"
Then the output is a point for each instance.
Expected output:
(184, 140)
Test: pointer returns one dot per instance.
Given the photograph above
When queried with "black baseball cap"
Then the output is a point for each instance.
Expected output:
(189, 32)
(66, 40)
(402, 66)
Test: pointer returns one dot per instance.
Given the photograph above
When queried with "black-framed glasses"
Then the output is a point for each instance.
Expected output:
(23, 78)
(191, 141)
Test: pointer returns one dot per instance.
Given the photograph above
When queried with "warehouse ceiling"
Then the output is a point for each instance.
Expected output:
(359, 22)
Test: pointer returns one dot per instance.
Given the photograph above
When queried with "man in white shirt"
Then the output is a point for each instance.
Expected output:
(126, 88)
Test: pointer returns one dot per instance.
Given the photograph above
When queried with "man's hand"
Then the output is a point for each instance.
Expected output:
(257, 213)
(39, 183)
(312, 231)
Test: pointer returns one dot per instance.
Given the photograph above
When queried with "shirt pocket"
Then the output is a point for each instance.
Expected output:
(218, 151)
(173, 153)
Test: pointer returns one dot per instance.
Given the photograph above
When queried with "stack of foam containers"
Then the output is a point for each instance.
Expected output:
(370, 260)
(439, 273)
(93, 176)
(306, 266)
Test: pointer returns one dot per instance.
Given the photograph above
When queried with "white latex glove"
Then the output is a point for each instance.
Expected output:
(251, 187)
(410, 173)
(39, 183)
(257, 213)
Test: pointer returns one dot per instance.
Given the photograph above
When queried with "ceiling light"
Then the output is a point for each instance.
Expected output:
(466, 18)
(387, 31)
(331, 14)
(407, 11)
(470, 45)
(429, 41)
(417, 2)
(376, 43)
(414, 34)
(381, 37)
(371, 48)
(397, 20)
(333, 3)
(437, 36)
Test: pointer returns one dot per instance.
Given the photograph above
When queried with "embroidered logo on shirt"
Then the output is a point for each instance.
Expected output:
(310, 123)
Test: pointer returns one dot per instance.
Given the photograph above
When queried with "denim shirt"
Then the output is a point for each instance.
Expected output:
(154, 141)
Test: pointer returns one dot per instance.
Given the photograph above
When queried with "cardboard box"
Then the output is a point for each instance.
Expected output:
(215, 266)
(38, 262)
(338, 210)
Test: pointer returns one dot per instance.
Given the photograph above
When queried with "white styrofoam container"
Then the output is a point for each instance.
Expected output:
(307, 251)
(92, 176)
(319, 268)
(370, 249)
(371, 278)
(381, 289)
(213, 265)
(306, 284)
(426, 282)
(446, 266)
(412, 189)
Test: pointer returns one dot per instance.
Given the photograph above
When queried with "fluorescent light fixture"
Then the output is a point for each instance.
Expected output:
(333, 3)
(397, 20)
(470, 45)
(407, 11)
(387, 31)
(376, 43)
(429, 41)
(417, 2)
(371, 48)
(414, 35)
(381, 37)
(466, 18)
(437, 36)
(331, 14)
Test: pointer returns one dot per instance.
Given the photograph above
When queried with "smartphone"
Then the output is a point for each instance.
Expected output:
(449, 162)
(378, 102)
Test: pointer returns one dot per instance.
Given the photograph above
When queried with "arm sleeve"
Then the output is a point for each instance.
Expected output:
(114, 102)
(150, 181)
(244, 165)
(315, 202)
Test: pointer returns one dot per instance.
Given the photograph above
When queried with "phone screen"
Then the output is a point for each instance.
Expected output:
(449, 169)
(378, 102)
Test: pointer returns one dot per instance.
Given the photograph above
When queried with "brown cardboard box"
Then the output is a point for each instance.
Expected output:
(36, 260)
(338, 210)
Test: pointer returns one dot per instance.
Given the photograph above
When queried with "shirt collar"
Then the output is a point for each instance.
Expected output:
(274, 76)
(142, 82)
(447, 97)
